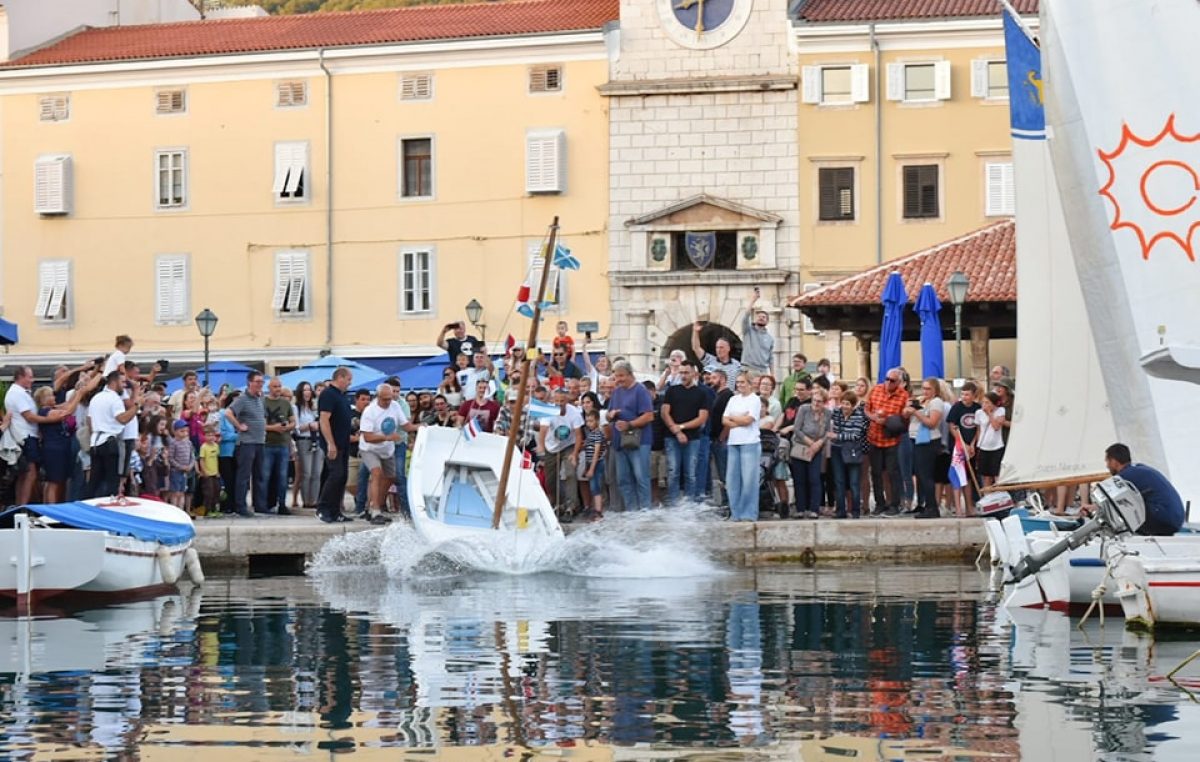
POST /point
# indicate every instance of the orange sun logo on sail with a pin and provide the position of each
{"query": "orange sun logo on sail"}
(1154, 186)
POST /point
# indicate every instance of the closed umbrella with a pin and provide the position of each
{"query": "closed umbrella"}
(894, 298)
(933, 358)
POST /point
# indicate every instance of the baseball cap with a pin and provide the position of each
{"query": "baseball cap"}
(180, 424)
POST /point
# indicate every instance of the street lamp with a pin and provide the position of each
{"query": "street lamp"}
(958, 286)
(474, 313)
(206, 322)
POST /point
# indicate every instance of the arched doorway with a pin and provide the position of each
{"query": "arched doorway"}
(682, 339)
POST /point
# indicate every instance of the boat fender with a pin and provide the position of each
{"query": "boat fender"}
(164, 565)
(191, 562)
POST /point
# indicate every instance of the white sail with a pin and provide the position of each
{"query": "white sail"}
(1121, 106)
(1061, 421)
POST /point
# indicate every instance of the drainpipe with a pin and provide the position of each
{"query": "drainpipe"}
(878, 148)
(329, 200)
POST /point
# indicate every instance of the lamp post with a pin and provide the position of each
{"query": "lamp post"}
(474, 313)
(958, 286)
(206, 322)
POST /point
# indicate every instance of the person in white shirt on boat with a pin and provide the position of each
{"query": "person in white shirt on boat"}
(108, 414)
(560, 438)
(379, 429)
(18, 401)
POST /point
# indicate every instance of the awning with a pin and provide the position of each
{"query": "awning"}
(8, 332)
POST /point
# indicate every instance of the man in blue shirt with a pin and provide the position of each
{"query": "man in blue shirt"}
(1164, 507)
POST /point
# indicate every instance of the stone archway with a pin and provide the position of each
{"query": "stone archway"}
(682, 339)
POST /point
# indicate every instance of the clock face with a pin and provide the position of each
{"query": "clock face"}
(703, 24)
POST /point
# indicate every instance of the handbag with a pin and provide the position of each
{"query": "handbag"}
(800, 450)
(631, 438)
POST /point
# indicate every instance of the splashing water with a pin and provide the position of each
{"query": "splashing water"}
(648, 544)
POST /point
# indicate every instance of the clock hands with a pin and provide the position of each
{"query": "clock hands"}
(684, 5)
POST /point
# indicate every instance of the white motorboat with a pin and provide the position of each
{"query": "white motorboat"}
(453, 484)
(106, 549)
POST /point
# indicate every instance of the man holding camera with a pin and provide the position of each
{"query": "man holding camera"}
(460, 342)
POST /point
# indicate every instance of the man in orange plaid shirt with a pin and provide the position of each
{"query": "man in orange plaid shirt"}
(886, 400)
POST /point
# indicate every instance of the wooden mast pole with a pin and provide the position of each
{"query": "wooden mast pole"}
(530, 347)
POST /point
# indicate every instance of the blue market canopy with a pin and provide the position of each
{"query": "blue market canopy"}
(8, 332)
(220, 373)
(321, 369)
(87, 516)
(426, 375)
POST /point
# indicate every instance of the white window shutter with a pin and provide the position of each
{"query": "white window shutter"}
(811, 78)
(282, 166)
(1001, 196)
(58, 295)
(941, 80)
(52, 185)
(283, 278)
(895, 82)
(297, 157)
(171, 289)
(416, 87)
(54, 108)
(860, 83)
(163, 290)
(979, 78)
(45, 289)
(299, 275)
(545, 160)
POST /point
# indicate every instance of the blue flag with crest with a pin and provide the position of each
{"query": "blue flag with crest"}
(1025, 103)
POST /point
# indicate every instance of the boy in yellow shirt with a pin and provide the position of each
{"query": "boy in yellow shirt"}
(210, 479)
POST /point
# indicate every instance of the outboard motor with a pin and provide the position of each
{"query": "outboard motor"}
(1119, 510)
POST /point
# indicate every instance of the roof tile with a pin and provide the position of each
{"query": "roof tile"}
(817, 11)
(988, 257)
(320, 30)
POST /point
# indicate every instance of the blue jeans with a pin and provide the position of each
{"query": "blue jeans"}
(596, 483)
(273, 473)
(633, 476)
(905, 457)
(360, 493)
(806, 481)
(687, 453)
(719, 455)
(846, 476)
(401, 475)
(249, 478)
(703, 451)
(741, 480)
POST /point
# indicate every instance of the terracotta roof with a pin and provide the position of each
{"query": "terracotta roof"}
(318, 30)
(988, 257)
(818, 11)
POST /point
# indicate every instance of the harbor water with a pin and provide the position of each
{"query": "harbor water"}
(618, 650)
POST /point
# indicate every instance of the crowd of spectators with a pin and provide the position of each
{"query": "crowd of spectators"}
(709, 428)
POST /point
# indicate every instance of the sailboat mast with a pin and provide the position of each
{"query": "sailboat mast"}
(530, 347)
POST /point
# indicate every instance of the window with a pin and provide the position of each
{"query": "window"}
(922, 82)
(836, 85)
(170, 101)
(836, 193)
(1000, 193)
(52, 185)
(291, 284)
(416, 87)
(921, 191)
(416, 281)
(54, 108)
(545, 79)
(170, 168)
(545, 161)
(291, 93)
(54, 285)
(724, 258)
(416, 167)
(291, 172)
(171, 290)
(989, 79)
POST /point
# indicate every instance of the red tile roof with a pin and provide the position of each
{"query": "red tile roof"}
(988, 257)
(816, 11)
(318, 30)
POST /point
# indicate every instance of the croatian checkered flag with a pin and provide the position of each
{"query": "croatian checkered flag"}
(958, 465)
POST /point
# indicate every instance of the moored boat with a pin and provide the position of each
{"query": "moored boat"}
(106, 549)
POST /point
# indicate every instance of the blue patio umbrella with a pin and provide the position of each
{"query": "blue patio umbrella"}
(219, 373)
(933, 359)
(322, 368)
(426, 375)
(894, 298)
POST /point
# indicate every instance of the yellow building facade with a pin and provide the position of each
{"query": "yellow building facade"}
(348, 195)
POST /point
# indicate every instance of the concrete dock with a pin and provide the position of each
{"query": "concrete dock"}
(285, 543)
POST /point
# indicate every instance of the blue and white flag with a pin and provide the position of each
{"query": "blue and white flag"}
(471, 429)
(540, 410)
(1027, 111)
(564, 259)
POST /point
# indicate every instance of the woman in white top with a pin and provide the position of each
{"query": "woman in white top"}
(989, 422)
(924, 429)
(744, 450)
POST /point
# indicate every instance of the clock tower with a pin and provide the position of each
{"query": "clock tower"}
(703, 154)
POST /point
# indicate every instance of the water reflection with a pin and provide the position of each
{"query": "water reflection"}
(871, 663)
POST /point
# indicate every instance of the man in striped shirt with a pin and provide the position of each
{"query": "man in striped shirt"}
(886, 400)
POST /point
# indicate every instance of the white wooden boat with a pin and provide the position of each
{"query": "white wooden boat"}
(1157, 592)
(99, 550)
(453, 483)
